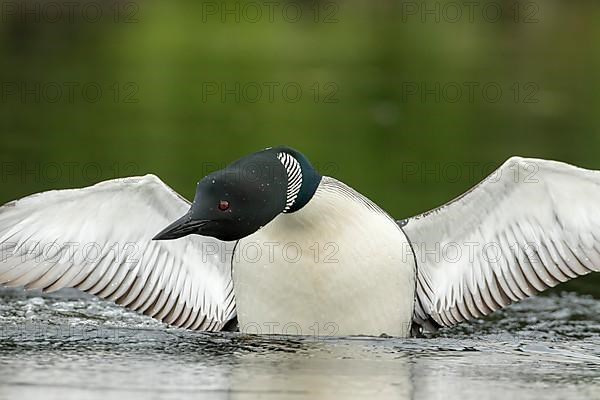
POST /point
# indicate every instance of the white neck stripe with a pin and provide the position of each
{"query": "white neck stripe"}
(294, 175)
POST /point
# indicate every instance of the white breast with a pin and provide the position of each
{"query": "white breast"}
(338, 266)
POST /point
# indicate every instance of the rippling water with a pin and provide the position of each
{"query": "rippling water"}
(67, 345)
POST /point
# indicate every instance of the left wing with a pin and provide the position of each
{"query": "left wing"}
(99, 239)
(529, 226)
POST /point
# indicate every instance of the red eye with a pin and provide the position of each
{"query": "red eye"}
(223, 205)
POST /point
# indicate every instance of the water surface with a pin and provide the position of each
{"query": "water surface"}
(68, 345)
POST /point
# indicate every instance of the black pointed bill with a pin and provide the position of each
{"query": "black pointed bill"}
(182, 227)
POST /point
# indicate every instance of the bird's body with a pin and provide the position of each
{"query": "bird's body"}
(271, 246)
(325, 270)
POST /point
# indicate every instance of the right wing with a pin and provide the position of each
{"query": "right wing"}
(526, 228)
(99, 239)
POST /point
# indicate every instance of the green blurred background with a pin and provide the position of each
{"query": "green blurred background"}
(409, 102)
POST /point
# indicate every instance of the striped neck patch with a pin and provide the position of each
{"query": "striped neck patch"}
(294, 176)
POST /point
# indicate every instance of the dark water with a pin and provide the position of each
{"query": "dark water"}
(379, 108)
(69, 346)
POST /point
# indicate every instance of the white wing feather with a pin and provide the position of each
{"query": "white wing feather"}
(99, 239)
(527, 227)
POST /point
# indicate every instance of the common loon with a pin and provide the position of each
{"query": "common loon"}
(270, 246)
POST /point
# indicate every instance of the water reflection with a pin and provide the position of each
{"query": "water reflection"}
(325, 370)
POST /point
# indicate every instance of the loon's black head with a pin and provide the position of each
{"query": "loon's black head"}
(238, 200)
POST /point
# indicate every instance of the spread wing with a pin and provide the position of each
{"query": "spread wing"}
(529, 226)
(99, 239)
